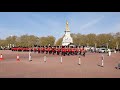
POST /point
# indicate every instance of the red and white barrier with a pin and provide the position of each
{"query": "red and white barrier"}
(44, 58)
(18, 59)
(30, 57)
(1, 57)
(79, 62)
(102, 63)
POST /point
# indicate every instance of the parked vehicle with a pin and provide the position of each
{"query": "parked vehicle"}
(102, 50)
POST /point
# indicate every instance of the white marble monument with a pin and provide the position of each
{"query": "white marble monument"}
(67, 39)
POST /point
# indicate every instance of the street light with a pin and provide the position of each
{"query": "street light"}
(116, 45)
(87, 44)
(108, 43)
(95, 45)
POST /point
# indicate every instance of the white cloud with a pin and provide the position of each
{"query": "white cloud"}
(91, 23)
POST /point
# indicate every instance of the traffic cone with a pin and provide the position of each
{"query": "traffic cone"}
(1, 57)
(18, 59)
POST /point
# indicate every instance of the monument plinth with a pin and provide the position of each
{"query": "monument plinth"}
(67, 39)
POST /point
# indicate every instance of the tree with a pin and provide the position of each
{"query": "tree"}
(27, 40)
(110, 39)
(59, 42)
(3, 43)
(117, 38)
(32, 40)
(51, 40)
(45, 41)
(91, 39)
(11, 40)
(79, 39)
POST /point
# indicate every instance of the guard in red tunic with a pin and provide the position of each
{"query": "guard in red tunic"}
(46, 50)
(57, 50)
(50, 50)
(53, 50)
(70, 50)
(77, 50)
(73, 50)
(65, 51)
(84, 51)
(35, 49)
(42, 49)
(38, 49)
(62, 51)
(80, 50)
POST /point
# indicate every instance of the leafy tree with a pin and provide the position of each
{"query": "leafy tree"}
(59, 42)
(45, 41)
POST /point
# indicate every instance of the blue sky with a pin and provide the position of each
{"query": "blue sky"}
(53, 23)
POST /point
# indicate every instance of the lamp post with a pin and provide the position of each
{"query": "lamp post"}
(117, 45)
(108, 43)
(10, 45)
(87, 44)
(95, 45)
